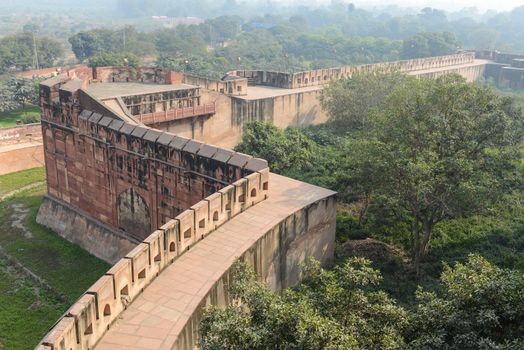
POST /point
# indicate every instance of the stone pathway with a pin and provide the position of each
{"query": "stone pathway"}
(156, 317)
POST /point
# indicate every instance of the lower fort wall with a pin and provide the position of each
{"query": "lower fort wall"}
(83, 325)
(102, 241)
(17, 157)
(276, 257)
(21, 148)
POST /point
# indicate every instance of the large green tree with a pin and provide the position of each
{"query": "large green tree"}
(17, 93)
(283, 149)
(348, 102)
(115, 59)
(430, 44)
(441, 148)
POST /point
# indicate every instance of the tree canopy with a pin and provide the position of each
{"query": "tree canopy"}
(480, 306)
(315, 316)
(17, 52)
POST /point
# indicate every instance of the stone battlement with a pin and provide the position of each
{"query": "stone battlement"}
(86, 321)
(324, 76)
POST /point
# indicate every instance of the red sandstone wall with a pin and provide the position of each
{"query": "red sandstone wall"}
(21, 158)
(118, 173)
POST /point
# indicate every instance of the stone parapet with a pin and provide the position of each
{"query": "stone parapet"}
(90, 317)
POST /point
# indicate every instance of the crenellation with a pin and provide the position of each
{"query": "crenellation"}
(84, 314)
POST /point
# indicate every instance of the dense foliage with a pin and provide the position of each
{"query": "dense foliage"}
(16, 93)
(17, 52)
(331, 310)
(480, 307)
(424, 151)
(115, 59)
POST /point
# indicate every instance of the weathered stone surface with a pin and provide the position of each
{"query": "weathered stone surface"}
(93, 236)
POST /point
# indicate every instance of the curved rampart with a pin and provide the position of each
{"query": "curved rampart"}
(89, 318)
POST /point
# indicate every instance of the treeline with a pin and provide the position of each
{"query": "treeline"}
(227, 43)
(20, 52)
(491, 30)
(477, 306)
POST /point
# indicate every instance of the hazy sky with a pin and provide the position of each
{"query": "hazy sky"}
(500, 5)
(450, 4)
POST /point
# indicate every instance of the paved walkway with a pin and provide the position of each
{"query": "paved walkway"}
(157, 316)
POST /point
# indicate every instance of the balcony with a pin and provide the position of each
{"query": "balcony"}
(175, 114)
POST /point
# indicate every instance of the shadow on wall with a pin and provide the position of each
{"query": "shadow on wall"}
(133, 214)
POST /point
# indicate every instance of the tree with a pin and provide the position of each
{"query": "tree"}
(430, 44)
(206, 65)
(23, 91)
(282, 149)
(94, 42)
(16, 93)
(331, 310)
(481, 306)
(441, 149)
(115, 59)
(348, 102)
(17, 52)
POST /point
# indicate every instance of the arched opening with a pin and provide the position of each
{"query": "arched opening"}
(89, 330)
(253, 192)
(124, 291)
(107, 310)
(172, 247)
(142, 274)
(215, 216)
(202, 223)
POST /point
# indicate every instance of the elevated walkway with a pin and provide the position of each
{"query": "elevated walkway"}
(270, 234)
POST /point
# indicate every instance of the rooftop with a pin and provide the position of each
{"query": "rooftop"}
(109, 90)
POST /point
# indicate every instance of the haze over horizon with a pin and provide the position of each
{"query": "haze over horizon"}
(450, 5)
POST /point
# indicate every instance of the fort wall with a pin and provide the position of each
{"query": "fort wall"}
(20, 133)
(88, 319)
(275, 248)
(129, 177)
(323, 76)
(22, 156)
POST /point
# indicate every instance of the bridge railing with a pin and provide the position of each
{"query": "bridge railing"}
(84, 324)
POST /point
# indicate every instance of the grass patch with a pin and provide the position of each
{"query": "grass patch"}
(10, 118)
(14, 181)
(26, 311)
